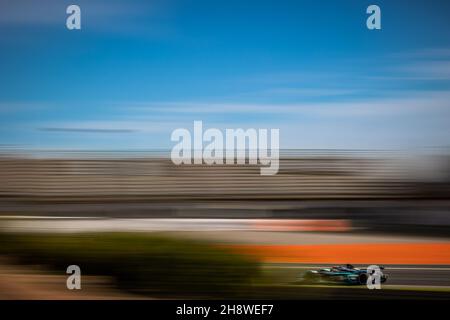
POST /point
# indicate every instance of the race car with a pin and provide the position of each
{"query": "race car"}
(347, 274)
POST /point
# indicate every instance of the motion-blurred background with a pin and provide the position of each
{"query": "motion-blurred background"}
(111, 211)
(344, 189)
(86, 118)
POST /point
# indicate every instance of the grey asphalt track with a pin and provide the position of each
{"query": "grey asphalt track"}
(398, 275)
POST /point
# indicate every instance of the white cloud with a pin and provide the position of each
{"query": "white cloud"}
(120, 17)
(412, 103)
(427, 70)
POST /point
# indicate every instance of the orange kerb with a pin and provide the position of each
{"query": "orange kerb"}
(382, 253)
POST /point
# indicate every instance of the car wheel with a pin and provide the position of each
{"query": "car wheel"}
(362, 279)
(310, 278)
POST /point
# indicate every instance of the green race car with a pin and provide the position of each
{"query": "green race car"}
(347, 274)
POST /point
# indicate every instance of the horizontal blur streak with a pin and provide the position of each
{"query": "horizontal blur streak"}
(359, 253)
(302, 175)
(73, 224)
(368, 188)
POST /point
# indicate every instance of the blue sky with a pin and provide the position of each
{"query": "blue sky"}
(140, 69)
